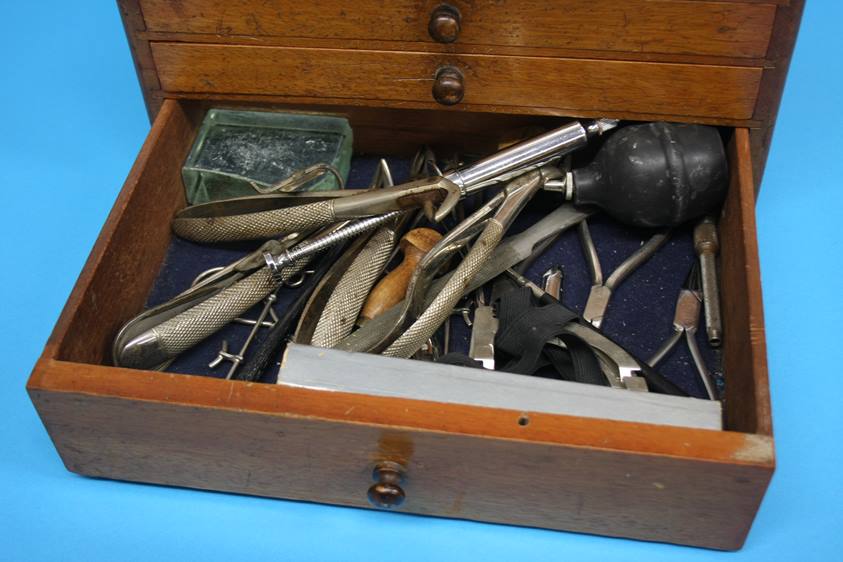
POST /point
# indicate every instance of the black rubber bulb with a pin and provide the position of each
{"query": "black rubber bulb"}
(656, 174)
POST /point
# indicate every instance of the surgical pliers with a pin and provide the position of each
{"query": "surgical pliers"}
(685, 323)
(601, 291)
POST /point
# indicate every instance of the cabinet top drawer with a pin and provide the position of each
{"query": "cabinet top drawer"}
(719, 28)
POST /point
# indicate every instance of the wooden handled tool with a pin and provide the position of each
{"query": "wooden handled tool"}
(390, 290)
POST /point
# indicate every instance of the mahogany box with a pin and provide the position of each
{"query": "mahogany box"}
(464, 74)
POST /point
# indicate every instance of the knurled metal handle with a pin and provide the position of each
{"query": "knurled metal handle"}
(343, 306)
(440, 309)
(254, 226)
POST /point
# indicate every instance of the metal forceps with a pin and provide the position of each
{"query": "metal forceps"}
(685, 322)
(601, 292)
(265, 216)
(494, 218)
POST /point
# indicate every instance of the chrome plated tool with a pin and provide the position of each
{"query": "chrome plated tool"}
(529, 154)
(269, 216)
(437, 196)
(685, 323)
(237, 358)
(463, 312)
(266, 319)
(513, 250)
(431, 264)
(156, 336)
(140, 344)
(707, 245)
(277, 262)
(339, 315)
(273, 343)
(601, 291)
(552, 282)
(483, 330)
(517, 193)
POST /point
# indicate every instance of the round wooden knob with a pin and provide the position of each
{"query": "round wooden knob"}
(386, 492)
(444, 24)
(448, 87)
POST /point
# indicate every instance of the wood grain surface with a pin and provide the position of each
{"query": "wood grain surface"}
(651, 482)
(561, 84)
(127, 256)
(390, 290)
(757, 34)
(785, 29)
(747, 405)
(520, 481)
(648, 26)
(712, 61)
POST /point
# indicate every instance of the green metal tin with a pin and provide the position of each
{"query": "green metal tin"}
(235, 151)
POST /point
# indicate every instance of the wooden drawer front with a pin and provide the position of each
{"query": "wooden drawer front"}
(513, 481)
(638, 26)
(575, 86)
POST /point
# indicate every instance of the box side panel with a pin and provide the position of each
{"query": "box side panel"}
(785, 30)
(129, 250)
(642, 496)
(747, 405)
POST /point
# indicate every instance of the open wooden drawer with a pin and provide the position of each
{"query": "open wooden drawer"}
(660, 483)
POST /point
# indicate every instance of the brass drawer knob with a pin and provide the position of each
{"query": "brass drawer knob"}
(444, 24)
(387, 492)
(448, 86)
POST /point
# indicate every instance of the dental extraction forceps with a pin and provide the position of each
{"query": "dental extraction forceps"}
(685, 323)
(256, 217)
(494, 219)
(601, 291)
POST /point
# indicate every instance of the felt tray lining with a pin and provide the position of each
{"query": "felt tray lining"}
(639, 317)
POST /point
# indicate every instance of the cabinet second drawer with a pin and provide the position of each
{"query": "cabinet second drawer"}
(573, 86)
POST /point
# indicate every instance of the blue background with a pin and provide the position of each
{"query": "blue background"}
(73, 121)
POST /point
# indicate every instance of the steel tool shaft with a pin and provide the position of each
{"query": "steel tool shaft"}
(531, 153)
(310, 247)
(707, 245)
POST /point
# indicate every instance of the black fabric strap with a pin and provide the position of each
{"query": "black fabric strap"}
(460, 359)
(524, 330)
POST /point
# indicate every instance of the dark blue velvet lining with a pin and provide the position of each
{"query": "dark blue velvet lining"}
(640, 315)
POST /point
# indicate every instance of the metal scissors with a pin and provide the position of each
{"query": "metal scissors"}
(601, 291)
(685, 323)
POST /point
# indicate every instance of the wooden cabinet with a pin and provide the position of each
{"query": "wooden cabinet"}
(523, 63)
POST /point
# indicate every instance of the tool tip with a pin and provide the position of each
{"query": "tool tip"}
(600, 126)
(715, 338)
